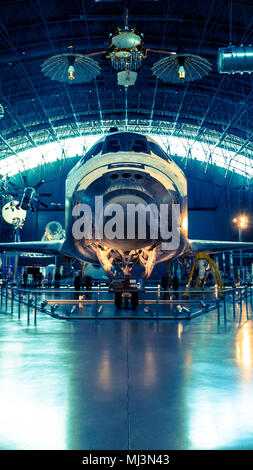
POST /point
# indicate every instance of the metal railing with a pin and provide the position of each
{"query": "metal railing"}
(152, 304)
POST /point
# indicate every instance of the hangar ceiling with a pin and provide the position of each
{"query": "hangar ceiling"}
(215, 110)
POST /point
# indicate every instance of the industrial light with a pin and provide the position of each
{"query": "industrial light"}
(241, 221)
(177, 67)
(235, 59)
(71, 73)
(181, 72)
(71, 66)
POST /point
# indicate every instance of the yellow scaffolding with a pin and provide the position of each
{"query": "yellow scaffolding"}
(213, 268)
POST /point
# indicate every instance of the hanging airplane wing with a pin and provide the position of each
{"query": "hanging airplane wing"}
(53, 247)
(210, 246)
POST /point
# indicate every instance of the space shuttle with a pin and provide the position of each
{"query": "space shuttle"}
(120, 200)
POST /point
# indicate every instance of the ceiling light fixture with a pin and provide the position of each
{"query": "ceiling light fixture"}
(71, 67)
(181, 67)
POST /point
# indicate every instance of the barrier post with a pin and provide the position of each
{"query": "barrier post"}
(35, 308)
(12, 299)
(246, 300)
(96, 305)
(2, 290)
(28, 307)
(218, 306)
(240, 302)
(6, 298)
(233, 303)
(19, 303)
(158, 294)
(225, 307)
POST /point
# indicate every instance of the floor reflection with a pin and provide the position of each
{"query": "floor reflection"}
(120, 384)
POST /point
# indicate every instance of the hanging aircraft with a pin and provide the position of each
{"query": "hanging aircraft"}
(125, 176)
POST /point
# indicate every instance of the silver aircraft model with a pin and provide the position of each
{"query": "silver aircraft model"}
(124, 169)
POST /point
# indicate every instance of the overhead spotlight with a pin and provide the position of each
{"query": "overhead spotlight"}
(176, 68)
(71, 67)
(181, 72)
(71, 73)
(181, 69)
(100, 309)
(179, 308)
(235, 59)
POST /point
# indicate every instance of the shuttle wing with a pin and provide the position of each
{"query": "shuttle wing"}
(53, 247)
(210, 246)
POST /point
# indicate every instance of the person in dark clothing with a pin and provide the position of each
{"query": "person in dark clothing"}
(77, 285)
(88, 282)
(77, 282)
(49, 279)
(40, 279)
(175, 285)
(164, 282)
(34, 279)
(57, 278)
(25, 277)
(88, 285)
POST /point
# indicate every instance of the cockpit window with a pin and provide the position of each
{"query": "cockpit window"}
(157, 150)
(140, 145)
(125, 143)
(112, 145)
(95, 150)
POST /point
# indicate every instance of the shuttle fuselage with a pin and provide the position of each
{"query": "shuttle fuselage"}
(125, 171)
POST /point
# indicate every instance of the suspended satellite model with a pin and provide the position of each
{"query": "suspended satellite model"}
(126, 52)
(14, 215)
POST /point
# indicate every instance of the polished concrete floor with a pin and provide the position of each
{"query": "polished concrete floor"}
(126, 384)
